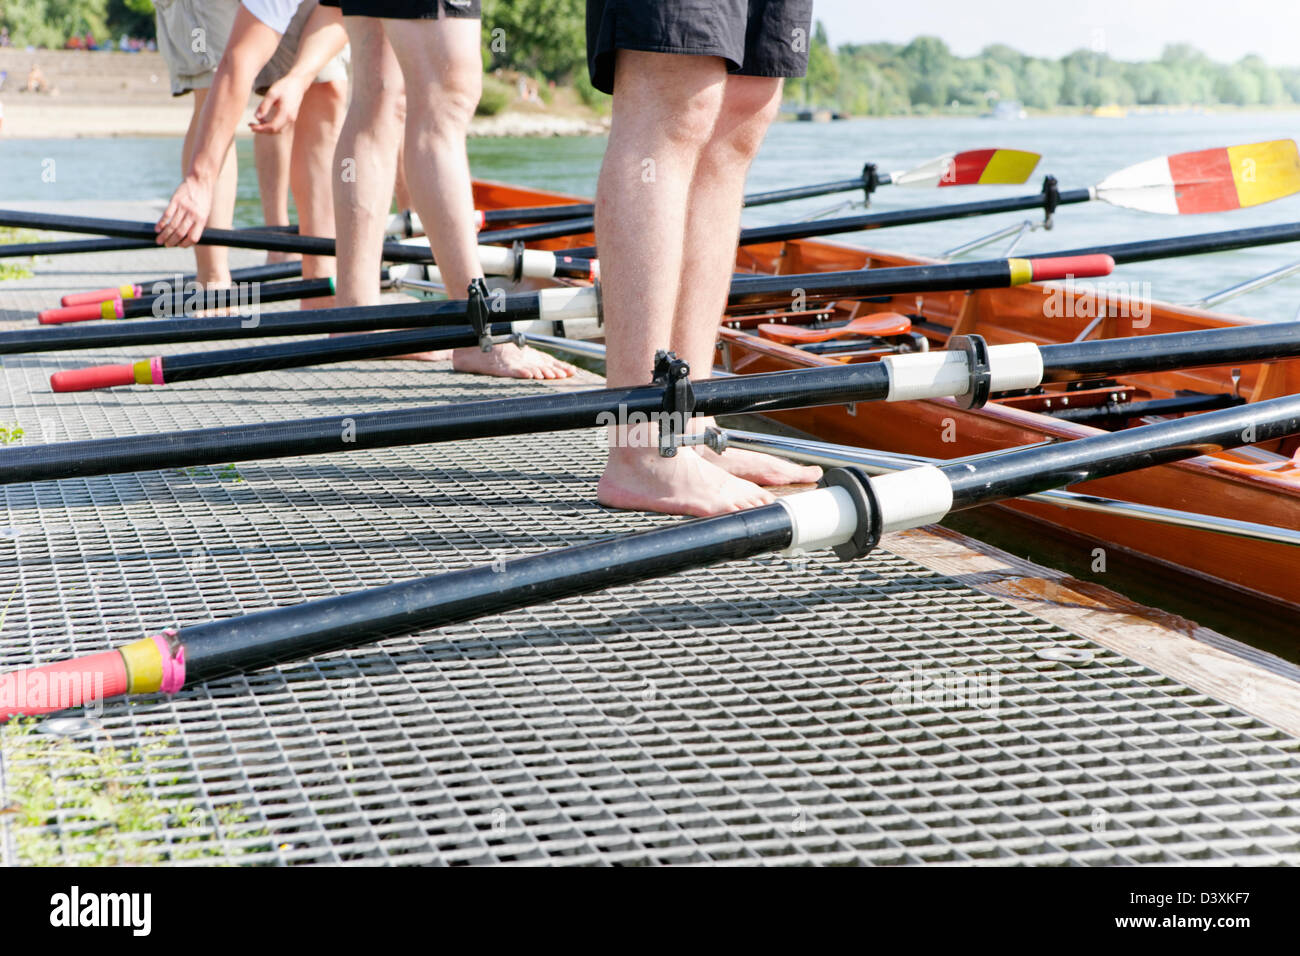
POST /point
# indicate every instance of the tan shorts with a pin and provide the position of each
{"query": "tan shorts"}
(192, 36)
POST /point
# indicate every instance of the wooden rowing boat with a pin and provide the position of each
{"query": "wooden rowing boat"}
(1260, 483)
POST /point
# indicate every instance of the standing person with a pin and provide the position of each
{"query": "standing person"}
(191, 38)
(695, 87)
(417, 66)
(289, 49)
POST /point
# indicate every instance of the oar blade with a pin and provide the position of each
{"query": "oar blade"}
(1208, 180)
(976, 167)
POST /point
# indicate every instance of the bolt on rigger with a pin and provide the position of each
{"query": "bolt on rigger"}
(630, 430)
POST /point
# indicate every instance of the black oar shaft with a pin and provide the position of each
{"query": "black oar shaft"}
(849, 515)
(65, 247)
(1029, 471)
(1145, 250)
(751, 393)
(903, 217)
(748, 292)
(817, 227)
(808, 192)
(307, 245)
(420, 314)
(236, 645)
(182, 303)
(526, 215)
(1170, 351)
(386, 429)
(349, 348)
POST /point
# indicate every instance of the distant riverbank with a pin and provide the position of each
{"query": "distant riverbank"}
(103, 94)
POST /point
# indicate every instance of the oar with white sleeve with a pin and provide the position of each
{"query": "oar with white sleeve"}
(561, 265)
(969, 370)
(848, 515)
(483, 308)
(972, 167)
(1211, 180)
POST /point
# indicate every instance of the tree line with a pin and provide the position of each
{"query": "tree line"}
(546, 38)
(886, 79)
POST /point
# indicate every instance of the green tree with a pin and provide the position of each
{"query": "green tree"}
(49, 23)
(821, 83)
(929, 65)
(546, 37)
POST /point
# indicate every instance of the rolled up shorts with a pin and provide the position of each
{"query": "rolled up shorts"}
(192, 36)
(281, 61)
(755, 37)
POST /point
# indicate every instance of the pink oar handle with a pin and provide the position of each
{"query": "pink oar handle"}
(43, 690)
(129, 291)
(86, 312)
(1081, 267)
(97, 376)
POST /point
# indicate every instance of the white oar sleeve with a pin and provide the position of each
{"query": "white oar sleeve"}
(919, 375)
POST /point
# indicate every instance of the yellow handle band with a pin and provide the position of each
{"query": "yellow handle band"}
(144, 666)
(1022, 271)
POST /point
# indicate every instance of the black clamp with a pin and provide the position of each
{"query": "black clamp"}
(1051, 199)
(977, 365)
(858, 484)
(674, 375)
(479, 313)
(517, 260)
(870, 181)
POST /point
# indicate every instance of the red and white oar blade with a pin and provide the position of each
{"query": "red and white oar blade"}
(976, 167)
(1208, 180)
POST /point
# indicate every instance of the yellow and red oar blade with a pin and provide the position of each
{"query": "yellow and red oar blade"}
(975, 167)
(1208, 180)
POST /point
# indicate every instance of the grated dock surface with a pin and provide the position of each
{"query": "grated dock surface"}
(760, 712)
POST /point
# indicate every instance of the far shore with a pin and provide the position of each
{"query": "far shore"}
(32, 116)
(103, 94)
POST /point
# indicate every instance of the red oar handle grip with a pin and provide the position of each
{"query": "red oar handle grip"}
(86, 312)
(128, 291)
(1081, 267)
(43, 690)
(97, 376)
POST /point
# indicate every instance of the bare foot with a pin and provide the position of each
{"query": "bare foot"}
(686, 484)
(510, 361)
(755, 466)
(274, 257)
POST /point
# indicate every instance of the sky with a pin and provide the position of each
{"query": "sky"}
(1126, 29)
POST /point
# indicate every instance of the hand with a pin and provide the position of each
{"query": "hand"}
(279, 107)
(182, 222)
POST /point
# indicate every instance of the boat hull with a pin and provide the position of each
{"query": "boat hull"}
(1256, 487)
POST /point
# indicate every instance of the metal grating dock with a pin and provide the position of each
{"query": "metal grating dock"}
(749, 714)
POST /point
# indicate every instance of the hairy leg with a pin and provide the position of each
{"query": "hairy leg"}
(749, 105)
(271, 152)
(365, 160)
(665, 110)
(442, 65)
(314, 138)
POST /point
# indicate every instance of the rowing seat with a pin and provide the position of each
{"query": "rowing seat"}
(878, 324)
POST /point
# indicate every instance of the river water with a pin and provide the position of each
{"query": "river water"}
(1079, 151)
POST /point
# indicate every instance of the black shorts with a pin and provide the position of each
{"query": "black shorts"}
(413, 9)
(755, 37)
